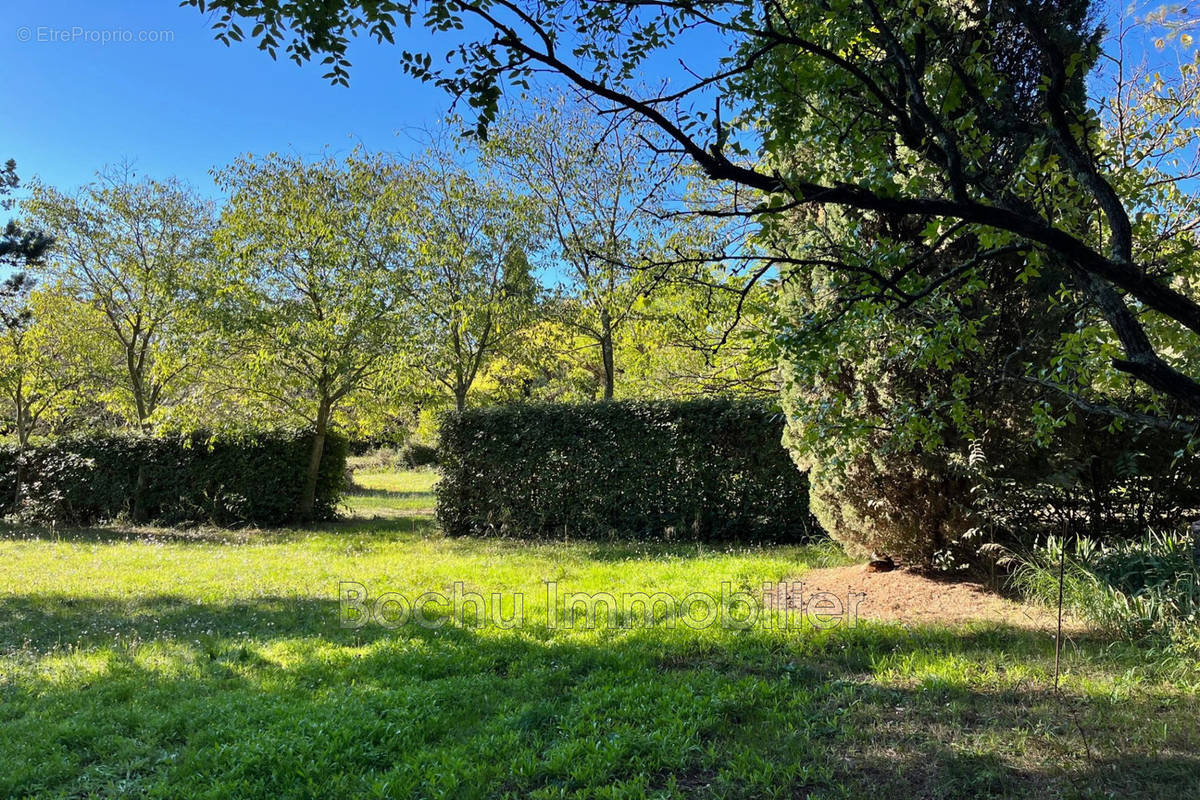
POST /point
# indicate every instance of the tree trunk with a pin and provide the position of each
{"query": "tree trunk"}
(138, 512)
(22, 442)
(308, 499)
(606, 353)
(138, 388)
(460, 397)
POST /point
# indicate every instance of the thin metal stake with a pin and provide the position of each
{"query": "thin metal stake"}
(1062, 563)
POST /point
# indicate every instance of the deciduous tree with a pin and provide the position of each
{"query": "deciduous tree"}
(136, 250)
(601, 191)
(969, 120)
(474, 290)
(321, 257)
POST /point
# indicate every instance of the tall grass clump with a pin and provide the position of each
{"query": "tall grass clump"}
(1133, 588)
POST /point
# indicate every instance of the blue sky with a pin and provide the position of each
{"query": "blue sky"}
(182, 106)
(186, 104)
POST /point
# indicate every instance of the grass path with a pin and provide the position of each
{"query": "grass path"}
(391, 494)
(165, 665)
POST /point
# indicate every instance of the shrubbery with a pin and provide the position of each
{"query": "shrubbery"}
(413, 455)
(709, 469)
(926, 428)
(233, 479)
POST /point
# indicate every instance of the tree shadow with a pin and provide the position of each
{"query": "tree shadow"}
(126, 532)
(388, 528)
(272, 697)
(390, 494)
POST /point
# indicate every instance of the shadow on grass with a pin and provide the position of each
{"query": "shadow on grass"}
(408, 524)
(412, 523)
(125, 532)
(386, 528)
(634, 550)
(271, 698)
(389, 494)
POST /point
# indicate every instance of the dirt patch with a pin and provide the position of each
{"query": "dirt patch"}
(907, 597)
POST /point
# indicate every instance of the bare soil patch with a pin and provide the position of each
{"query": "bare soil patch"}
(911, 598)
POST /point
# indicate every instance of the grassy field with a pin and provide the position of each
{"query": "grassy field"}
(138, 663)
(391, 494)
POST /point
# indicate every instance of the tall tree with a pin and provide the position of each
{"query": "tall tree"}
(474, 290)
(321, 255)
(45, 353)
(969, 120)
(602, 192)
(135, 249)
(19, 248)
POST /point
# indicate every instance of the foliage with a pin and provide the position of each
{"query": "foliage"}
(704, 332)
(965, 121)
(603, 201)
(320, 257)
(1132, 588)
(926, 437)
(418, 454)
(473, 290)
(47, 355)
(364, 293)
(935, 420)
(137, 251)
(704, 469)
(895, 407)
(253, 478)
(19, 248)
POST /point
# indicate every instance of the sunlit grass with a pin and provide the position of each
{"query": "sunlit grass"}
(385, 494)
(214, 666)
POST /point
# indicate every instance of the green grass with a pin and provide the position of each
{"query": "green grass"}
(386, 494)
(140, 663)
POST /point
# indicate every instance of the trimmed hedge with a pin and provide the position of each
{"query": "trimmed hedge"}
(254, 478)
(700, 470)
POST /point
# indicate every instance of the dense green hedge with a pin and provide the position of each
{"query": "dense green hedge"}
(252, 478)
(708, 469)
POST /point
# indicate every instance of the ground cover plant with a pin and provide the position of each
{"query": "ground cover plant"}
(145, 662)
(1149, 586)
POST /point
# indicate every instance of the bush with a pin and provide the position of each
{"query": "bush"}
(252, 478)
(710, 469)
(928, 428)
(413, 455)
(900, 505)
(384, 459)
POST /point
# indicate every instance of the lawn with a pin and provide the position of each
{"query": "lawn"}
(387, 494)
(199, 664)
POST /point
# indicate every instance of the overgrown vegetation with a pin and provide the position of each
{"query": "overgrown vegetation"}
(1150, 585)
(702, 469)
